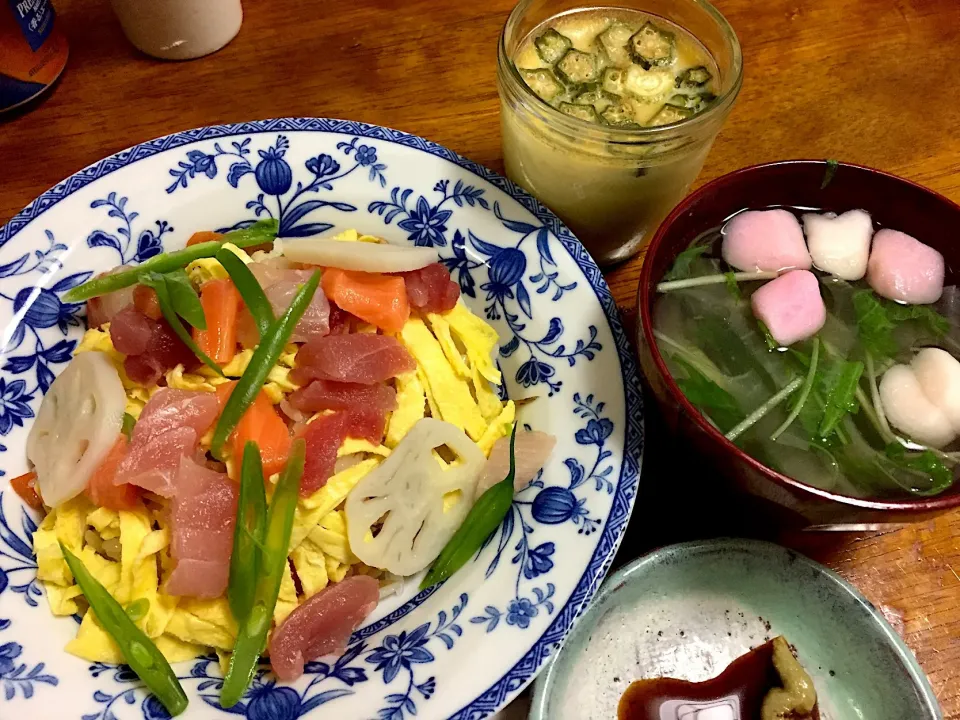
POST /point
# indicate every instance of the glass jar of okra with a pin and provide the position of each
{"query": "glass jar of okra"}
(608, 113)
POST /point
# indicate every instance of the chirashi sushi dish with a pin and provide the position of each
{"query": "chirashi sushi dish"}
(256, 441)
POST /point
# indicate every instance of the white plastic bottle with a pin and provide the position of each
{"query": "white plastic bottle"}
(179, 29)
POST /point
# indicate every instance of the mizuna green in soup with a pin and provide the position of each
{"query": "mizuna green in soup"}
(824, 346)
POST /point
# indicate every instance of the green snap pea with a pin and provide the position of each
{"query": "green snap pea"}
(484, 517)
(260, 232)
(138, 609)
(248, 533)
(144, 658)
(127, 424)
(249, 288)
(252, 630)
(263, 359)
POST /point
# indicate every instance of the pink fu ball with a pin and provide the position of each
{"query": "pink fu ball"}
(766, 241)
(904, 269)
(791, 307)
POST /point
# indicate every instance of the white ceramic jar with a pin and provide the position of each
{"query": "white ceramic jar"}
(179, 29)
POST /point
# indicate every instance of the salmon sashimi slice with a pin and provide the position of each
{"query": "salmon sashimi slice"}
(322, 625)
(381, 300)
(101, 489)
(145, 300)
(332, 395)
(202, 519)
(221, 305)
(263, 424)
(362, 358)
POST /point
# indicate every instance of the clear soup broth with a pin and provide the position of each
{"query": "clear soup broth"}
(839, 439)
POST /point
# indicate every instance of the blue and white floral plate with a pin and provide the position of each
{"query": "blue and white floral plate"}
(463, 650)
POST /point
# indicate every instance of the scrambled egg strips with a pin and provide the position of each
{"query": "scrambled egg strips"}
(129, 552)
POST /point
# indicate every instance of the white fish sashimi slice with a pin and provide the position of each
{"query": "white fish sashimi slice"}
(531, 452)
(404, 495)
(76, 427)
(365, 257)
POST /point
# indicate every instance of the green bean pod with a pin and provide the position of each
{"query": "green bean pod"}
(263, 359)
(248, 533)
(143, 657)
(260, 232)
(484, 517)
(249, 288)
(252, 630)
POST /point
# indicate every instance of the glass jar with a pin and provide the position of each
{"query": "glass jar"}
(611, 186)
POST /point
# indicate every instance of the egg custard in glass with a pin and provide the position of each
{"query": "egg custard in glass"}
(608, 113)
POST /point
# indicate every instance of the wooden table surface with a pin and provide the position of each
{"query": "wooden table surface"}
(866, 81)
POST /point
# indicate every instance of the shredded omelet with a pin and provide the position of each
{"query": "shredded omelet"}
(129, 551)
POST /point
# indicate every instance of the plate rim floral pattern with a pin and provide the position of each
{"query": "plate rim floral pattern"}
(626, 486)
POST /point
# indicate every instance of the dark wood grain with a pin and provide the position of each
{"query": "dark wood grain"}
(866, 81)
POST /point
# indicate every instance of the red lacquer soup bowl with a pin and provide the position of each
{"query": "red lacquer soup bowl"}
(892, 202)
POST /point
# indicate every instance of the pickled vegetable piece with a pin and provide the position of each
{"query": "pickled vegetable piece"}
(670, 114)
(619, 114)
(694, 102)
(578, 67)
(614, 41)
(543, 83)
(581, 112)
(597, 98)
(648, 85)
(613, 80)
(650, 46)
(693, 78)
(551, 46)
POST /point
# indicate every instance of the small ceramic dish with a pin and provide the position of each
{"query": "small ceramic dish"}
(688, 610)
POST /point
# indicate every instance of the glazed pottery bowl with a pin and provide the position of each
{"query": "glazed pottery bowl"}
(892, 202)
(687, 611)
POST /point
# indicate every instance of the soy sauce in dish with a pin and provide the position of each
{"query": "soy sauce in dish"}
(743, 691)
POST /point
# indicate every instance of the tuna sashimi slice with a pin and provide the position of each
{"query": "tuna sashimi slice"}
(332, 395)
(202, 519)
(430, 289)
(322, 625)
(153, 464)
(326, 434)
(531, 452)
(163, 349)
(170, 408)
(358, 358)
(198, 578)
(130, 331)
